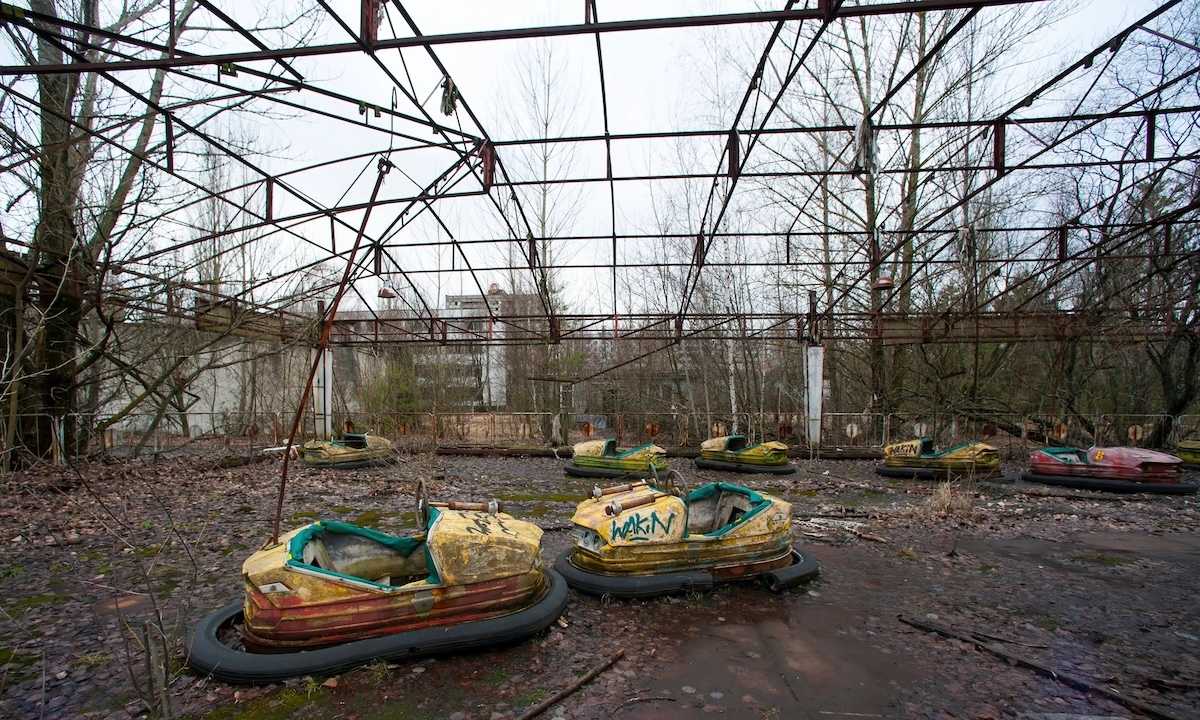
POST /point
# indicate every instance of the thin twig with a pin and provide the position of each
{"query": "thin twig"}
(1010, 641)
(643, 698)
(865, 536)
(558, 696)
(1069, 680)
(42, 712)
(833, 516)
(110, 587)
(1171, 684)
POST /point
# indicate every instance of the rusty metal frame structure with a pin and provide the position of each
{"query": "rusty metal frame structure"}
(795, 33)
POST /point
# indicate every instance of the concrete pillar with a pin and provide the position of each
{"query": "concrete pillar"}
(323, 395)
(815, 381)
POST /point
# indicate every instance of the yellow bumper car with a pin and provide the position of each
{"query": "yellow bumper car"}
(919, 459)
(732, 453)
(637, 540)
(603, 459)
(349, 452)
(332, 595)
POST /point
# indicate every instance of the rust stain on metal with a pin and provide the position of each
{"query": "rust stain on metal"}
(331, 582)
(730, 530)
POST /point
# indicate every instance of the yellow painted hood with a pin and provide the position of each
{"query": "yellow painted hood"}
(469, 546)
(663, 520)
(465, 546)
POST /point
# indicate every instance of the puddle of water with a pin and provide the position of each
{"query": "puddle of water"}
(787, 653)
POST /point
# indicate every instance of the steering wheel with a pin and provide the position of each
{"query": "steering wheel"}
(671, 482)
(422, 506)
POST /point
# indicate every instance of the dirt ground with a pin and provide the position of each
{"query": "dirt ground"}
(1101, 588)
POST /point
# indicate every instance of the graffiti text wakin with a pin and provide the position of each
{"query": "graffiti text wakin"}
(639, 528)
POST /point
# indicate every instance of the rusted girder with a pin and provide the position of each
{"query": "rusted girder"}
(322, 343)
(762, 16)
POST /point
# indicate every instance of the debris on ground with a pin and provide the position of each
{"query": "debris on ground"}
(1102, 591)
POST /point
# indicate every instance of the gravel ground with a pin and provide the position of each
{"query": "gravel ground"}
(1099, 587)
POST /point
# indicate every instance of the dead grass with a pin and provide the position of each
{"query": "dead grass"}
(951, 499)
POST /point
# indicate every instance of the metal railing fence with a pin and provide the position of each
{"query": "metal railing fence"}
(1014, 434)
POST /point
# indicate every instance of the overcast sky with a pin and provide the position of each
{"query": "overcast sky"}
(655, 81)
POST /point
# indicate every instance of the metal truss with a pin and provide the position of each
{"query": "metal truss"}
(475, 171)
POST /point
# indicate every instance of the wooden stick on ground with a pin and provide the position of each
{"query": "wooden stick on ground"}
(864, 536)
(557, 697)
(832, 516)
(640, 699)
(1010, 641)
(1039, 492)
(1069, 680)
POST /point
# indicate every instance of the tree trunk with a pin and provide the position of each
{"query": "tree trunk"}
(57, 287)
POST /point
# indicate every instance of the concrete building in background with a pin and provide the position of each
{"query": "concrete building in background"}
(476, 374)
(491, 373)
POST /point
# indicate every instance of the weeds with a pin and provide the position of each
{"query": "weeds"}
(951, 500)
(379, 672)
(311, 687)
(1099, 558)
(93, 660)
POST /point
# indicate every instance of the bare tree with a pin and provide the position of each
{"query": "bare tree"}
(93, 188)
(545, 107)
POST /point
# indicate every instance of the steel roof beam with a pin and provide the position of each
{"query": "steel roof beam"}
(26, 18)
(812, 129)
(541, 280)
(764, 16)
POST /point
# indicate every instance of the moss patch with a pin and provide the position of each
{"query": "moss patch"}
(19, 606)
(92, 660)
(400, 710)
(1099, 558)
(279, 706)
(538, 510)
(373, 518)
(303, 515)
(404, 520)
(573, 498)
(1045, 622)
(437, 701)
(17, 657)
(531, 697)
(148, 551)
(341, 509)
(17, 666)
(369, 519)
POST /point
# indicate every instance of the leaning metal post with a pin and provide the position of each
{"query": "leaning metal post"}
(322, 344)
